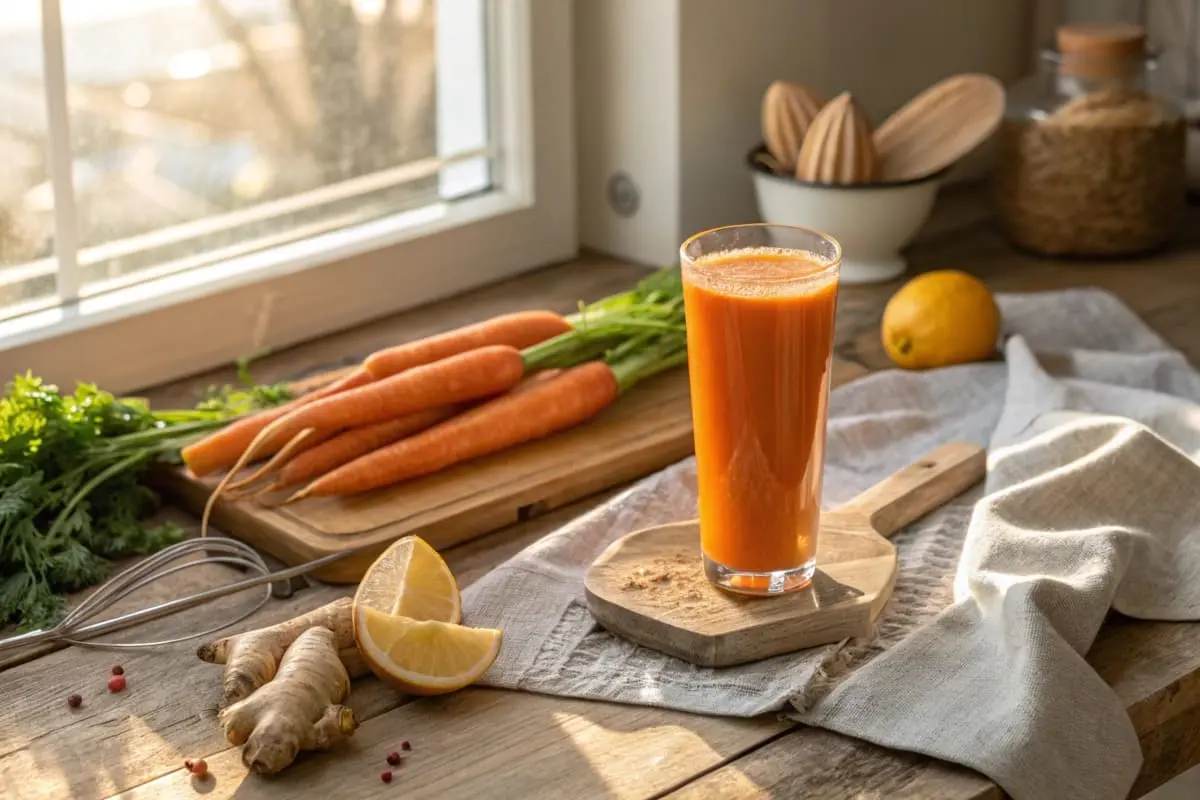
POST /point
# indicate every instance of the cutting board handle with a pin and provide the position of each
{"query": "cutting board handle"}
(919, 488)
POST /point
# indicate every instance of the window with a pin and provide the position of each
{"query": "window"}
(186, 181)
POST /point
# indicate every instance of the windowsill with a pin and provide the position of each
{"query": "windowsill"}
(183, 285)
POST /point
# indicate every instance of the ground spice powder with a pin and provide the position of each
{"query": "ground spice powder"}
(674, 579)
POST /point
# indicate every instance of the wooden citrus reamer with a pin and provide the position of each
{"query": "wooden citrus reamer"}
(687, 617)
(939, 126)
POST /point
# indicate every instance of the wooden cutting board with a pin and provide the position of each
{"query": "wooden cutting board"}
(645, 430)
(650, 588)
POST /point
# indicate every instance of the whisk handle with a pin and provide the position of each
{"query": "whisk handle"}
(23, 640)
(85, 632)
(34, 638)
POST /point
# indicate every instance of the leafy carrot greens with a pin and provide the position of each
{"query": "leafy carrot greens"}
(70, 491)
(622, 324)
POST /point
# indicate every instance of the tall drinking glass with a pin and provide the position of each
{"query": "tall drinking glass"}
(760, 303)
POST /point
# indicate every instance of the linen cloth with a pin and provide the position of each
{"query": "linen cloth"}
(1092, 425)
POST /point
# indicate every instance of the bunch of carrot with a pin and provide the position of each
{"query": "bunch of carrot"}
(425, 405)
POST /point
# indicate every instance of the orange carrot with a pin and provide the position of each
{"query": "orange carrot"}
(520, 330)
(351, 444)
(538, 377)
(221, 449)
(473, 375)
(540, 409)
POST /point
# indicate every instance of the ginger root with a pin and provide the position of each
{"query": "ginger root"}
(251, 658)
(300, 709)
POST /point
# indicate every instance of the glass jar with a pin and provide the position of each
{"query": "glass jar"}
(1091, 152)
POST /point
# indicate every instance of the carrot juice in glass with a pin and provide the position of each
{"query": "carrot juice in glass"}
(760, 303)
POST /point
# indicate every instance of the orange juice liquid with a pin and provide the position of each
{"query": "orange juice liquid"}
(760, 348)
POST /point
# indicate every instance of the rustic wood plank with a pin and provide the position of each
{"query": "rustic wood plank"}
(494, 744)
(36, 749)
(778, 769)
(1154, 668)
(1168, 750)
(165, 714)
(835, 765)
(824, 766)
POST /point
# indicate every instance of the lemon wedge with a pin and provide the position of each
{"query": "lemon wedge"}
(410, 579)
(424, 657)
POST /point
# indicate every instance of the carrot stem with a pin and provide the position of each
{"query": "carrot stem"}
(594, 338)
(566, 350)
(630, 368)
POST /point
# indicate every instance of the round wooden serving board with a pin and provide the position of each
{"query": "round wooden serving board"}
(649, 586)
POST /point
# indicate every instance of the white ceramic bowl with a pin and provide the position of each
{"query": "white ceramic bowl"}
(871, 221)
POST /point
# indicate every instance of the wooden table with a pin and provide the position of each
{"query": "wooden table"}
(482, 743)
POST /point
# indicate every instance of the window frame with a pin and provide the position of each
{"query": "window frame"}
(198, 319)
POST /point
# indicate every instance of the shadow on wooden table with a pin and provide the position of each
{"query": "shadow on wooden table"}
(496, 744)
(484, 743)
(493, 744)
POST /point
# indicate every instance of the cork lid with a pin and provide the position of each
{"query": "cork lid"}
(1101, 49)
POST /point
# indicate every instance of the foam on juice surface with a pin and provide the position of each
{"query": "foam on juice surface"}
(762, 272)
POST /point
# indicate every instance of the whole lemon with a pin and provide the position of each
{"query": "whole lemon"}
(940, 318)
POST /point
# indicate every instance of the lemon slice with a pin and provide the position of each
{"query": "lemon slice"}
(411, 580)
(424, 657)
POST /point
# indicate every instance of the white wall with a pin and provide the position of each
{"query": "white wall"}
(669, 91)
(1107, 10)
(627, 120)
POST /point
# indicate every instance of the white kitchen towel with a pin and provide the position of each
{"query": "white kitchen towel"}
(1093, 429)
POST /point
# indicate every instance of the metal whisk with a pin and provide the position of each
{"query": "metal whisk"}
(78, 628)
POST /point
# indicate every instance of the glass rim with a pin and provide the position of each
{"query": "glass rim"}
(832, 265)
